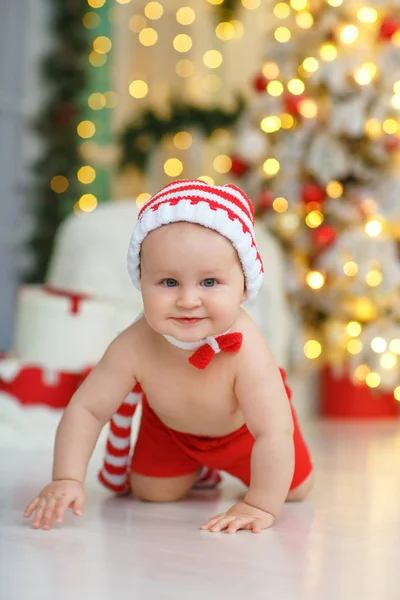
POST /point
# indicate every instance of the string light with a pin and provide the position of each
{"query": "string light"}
(334, 189)
(310, 64)
(270, 124)
(97, 101)
(367, 15)
(183, 140)
(312, 349)
(396, 393)
(137, 23)
(91, 20)
(373, 227)
(280, 205)
(225, 31)
(374, 278)
(388, 361)
(354, 347)
(86, 174)
(353, 328)
(185, 15)
(328, 52)
(59, 184)
(296, 87)
(335, 3)
(315, 280)
(173, 167)
(184, 68)
(102, 44)
(182, 42)
(275, 88)
(153, 10)
(282, 35)
(271, 166)
(299, 4)
(148, 36)
(282, 10)
(87, 202)
(390, 126)
(138, 88)
(86, 129)
(222, 163)
(305, 20)
(314, 219)
(96, 59)
(207, 179)
(349, 34)
(251, 4)
(378, 345)
(287, 121)
(373, 380)
(394, 346)
(362, 372)
(212, 59)
(142, 199)
(270, 70)
(96, 3)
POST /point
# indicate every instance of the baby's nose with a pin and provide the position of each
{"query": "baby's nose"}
(188, 298)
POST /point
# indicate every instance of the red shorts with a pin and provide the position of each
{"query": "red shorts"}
(164, 452)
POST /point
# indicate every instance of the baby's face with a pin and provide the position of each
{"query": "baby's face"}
(192, 281)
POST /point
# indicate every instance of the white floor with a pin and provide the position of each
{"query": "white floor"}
(342, 544)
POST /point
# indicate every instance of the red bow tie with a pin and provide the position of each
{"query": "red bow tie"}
(227, 342)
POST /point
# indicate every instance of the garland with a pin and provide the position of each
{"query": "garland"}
(140, 138)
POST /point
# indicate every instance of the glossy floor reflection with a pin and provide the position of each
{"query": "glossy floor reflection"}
(342, 544)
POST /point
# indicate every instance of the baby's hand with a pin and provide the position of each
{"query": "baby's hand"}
(54, 500)
(240, 516)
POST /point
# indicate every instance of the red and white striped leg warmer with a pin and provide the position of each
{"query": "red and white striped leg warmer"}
(114, 474)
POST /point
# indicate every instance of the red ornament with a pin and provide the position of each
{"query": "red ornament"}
(388, 28)
(265, 200)
(260, 83)
(292, 104)
(391, 143)
(312, 192)
(323, 236)
(239, 167)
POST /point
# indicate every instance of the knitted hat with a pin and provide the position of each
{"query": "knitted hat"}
(225, 209)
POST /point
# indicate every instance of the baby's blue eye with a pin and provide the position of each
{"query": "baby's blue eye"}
(169, 282)
(209, 282)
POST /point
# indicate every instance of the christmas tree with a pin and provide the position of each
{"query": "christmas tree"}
(319, 152)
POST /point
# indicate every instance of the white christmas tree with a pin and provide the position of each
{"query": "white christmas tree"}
(319, 151)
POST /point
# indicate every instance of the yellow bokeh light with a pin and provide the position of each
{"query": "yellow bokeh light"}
(334, 189)
(396, 393)
(354, 346)
(308, 109)
(299, 4)
(142, 199)
(270, 70)
(270, 124)
(310, 64)
(138, 88)
(215, 2)
(364, 309)
(87, 202)
(388, 360)
(390, 126)
(91, 20)
(148, 36)
(396, 101)
(362, 372)
(96, 3)
(374, 278)
(396, 87)
(350, 268)
(239, 28)
(86, 174)
(182, 42)
(184, 68)
(282, 34)
(281, 10)
(296, 87)
(275, 88)
(102, 44)
(225, 31)
(379, 345)
(373, 128)
(353, 328)
(335, 3)
(183, 140)
(312, 349)
(367, 15)
(97, 60)
(305, 20)
(251, 4)
(394, 346)
(373, 380)
(206, 179)
(315, 280)
(287, 121)
(153, 10)
(271, 166)
(314, 219)
(59, 184)
(280, 205)
(86, 129)
(97, 101)
(173, 167)
(328, 52)
(373, 227)
(366, 73)
(349, 34)
(212, 59)
(222, 163)
(185, 15)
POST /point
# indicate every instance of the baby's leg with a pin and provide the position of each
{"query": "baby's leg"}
(161, 489)
(301, 491)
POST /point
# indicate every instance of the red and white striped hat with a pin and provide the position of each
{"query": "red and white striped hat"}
(225, 209)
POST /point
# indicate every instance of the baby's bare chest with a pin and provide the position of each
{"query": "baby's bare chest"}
(201, 402)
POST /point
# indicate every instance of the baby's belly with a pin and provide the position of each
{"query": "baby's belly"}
(198, 416)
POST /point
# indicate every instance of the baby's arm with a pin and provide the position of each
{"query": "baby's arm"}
(263, 400)
(89, 409)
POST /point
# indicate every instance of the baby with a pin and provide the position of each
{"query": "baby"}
(212, 393)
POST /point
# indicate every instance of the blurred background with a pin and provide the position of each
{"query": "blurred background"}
(297, 102)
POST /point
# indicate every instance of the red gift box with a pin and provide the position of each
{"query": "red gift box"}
(343, 399)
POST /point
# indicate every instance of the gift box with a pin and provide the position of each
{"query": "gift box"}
(343, 399)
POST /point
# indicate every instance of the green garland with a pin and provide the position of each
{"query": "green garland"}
(140, 138)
